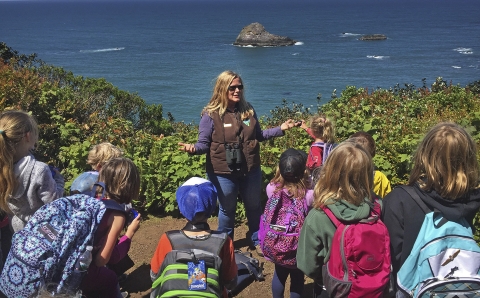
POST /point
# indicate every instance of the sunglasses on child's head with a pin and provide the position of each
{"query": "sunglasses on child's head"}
(233, 88)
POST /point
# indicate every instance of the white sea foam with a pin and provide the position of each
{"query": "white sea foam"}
(295, 54)
(454, 66)
(346, 34)
(377, 57)
(462, 49)
(299, 43)
(102, 50)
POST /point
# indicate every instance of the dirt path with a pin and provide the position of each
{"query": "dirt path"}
(145, 242)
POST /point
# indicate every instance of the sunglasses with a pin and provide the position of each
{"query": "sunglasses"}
(233, 88)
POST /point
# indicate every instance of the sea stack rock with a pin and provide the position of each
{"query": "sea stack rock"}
(373, 37)
(256, 35)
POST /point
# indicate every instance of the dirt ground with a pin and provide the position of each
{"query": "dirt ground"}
(145, 242)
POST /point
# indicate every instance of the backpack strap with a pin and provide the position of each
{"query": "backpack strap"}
(213, 244)
(327, 148)
(374, 208)
(331, 216)
(414, 195)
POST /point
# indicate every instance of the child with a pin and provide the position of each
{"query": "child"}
(344, 187)
(25, 183)
(197, 200)
(97, 156)
(381, 184)
(445, 175)
(322, 131)
(122, 181)
(290, 183)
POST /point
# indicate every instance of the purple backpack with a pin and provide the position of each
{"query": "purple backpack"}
(280, 226)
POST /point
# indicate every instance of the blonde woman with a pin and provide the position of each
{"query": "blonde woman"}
(445, 176)
(229, 133)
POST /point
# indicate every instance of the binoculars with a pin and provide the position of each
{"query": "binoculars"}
(233, 154)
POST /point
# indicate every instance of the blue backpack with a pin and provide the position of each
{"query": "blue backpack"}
(444, 261)
(47, 249)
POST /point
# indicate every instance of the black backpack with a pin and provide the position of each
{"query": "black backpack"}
(249, 270)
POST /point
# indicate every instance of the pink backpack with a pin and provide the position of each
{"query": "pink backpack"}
(280, 226)
(359, 264)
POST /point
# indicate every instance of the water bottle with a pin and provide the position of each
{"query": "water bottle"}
(80, 269)
(84, 261)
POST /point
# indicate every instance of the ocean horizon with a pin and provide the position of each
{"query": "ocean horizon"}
(170, 52)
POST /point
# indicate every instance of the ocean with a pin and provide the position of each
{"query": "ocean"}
(170, 52)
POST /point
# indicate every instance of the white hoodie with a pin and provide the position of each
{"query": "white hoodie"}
(36, 187)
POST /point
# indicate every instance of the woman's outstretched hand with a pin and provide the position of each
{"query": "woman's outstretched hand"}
(189, 148)
(289, 124)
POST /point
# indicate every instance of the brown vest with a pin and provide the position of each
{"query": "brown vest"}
(232, 130)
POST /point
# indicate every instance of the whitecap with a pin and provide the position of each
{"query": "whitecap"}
(454, 66)
(466, 52)
(102, 50)
(462, 49)
(345, 34)
(377, 57)
(295, 54)
(299, 43)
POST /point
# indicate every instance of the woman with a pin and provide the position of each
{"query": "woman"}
(229, 133)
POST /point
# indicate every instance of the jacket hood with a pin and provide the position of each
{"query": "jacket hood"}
(23, 170)
(346, 211)
(466, 206)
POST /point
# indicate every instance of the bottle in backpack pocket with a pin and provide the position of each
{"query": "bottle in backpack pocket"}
(81, 268)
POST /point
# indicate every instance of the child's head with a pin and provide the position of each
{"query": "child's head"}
(446, 161)
(322, 128)
(346, 174)
(19, 132)
(365, 140)
(122, 180)
(101, 153)
(18, 136)
(291, 173)
(197, 199)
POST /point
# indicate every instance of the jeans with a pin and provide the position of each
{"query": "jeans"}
(229, 186)
(297, 280)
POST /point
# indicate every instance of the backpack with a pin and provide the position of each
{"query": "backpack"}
(359, 263)
(47, 249)
(313, 159)
(181, 273)
(280, 226)
(445, 259)
(249, 270)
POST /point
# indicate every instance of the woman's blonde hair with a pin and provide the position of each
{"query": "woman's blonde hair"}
(296, 189)
(14, 125)
(322, 128)
(446, 161)
(219, 101)
(102, 153)
(346, 174)
(122, 180)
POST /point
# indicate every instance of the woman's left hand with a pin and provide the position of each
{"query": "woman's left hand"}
(289, 124)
